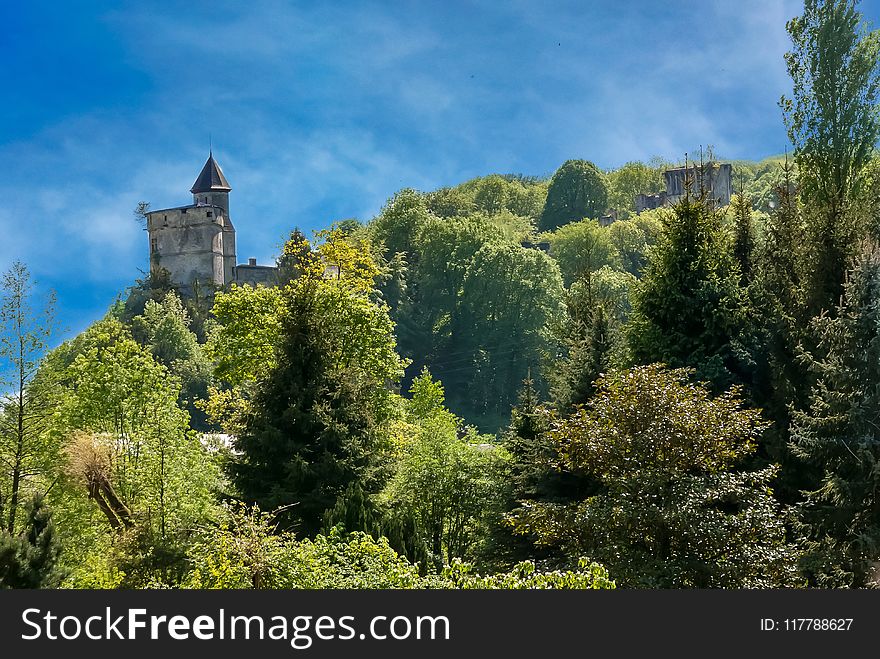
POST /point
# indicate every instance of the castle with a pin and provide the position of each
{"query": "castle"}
(716, 180)
(195, 243)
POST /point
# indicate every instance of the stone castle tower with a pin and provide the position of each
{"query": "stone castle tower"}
(196, 243)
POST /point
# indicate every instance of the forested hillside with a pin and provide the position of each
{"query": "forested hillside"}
(484, 387)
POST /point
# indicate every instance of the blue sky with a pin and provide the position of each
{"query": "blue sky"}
(321, 111)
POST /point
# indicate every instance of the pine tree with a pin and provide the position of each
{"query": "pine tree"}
(839, 433)
(30, 559)
(775, 322)
(589, 356)
(687, 307)
(743, 237)
(310, 434)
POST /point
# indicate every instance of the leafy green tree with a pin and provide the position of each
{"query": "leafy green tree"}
(446, 249)
(499, 329)
(448, 484)
(670, 510)
(631, 243)
(248, 331)
(578, 190)
(129, 447)
(30, 558)
(26, 448)
(632, 179)
(761, 192)
(839, 434)
(834, 125)
(400, 222)
(687, 307)
(165, 328)
(580, 248)
(492, 195)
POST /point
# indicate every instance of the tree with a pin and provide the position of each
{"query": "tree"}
(448, 484)
(687, 307)
(500, 327)
(578, 190)
(400, 221)
(493, 195)
(164, 328)
(670, 509)
(140, 213)
(774, 324)
(838, 434)
(632, 243)
(589, 356)
(129, 447)
(248, 331)
(26, 448)
(312, 429)
(632, 179)
(834, 125)
(580, 248)
(30, 558)
(743, 237)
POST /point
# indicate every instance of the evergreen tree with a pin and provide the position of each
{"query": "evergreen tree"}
(774, 327)
(743, 237)
(30, 559)
(309, 436)
(588, 358)
(687, 307)
(311, 433)
(839, 434)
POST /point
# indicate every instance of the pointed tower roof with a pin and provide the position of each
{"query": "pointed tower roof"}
(211, 178)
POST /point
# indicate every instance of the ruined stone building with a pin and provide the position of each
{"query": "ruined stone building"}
(713, 178)
(196, 243)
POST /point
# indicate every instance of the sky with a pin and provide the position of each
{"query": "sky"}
(322, 111)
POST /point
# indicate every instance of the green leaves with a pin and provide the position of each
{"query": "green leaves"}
(581, 248)
(833, 122)
(667, 509)
(578, 190)
(448, 484)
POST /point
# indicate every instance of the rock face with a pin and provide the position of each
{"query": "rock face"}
(196, 243)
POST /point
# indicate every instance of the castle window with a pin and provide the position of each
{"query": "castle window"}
(154, 245)
(210, 214)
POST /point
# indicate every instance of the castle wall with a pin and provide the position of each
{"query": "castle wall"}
(717, 180)
(256, 274)
(192, 243)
